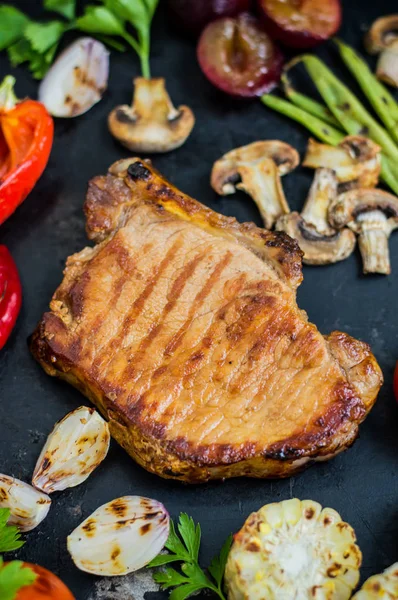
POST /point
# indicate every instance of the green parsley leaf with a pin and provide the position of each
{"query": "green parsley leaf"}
(191, 535)
(66, 8)
(13, 577)
(193, 578)
(174, 544)
(12, 25)
(109, 41)
(169, 578)
(10, 536)
(217, 565)
(43, 36)
(98, 19)
(20, 52)
(151, 6)
(184, 591)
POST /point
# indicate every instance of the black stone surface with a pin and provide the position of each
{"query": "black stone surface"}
(361, 483)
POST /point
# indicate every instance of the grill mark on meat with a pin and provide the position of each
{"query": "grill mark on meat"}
(136, 309)
(175, 293)
(196, 304)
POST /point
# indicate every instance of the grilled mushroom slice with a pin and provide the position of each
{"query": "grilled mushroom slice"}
(383, 38)
(151, 124)
(320, 243)
(373, 214)
(356, 161)
(256, 169)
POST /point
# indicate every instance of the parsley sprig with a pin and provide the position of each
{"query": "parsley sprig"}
(13, 575)
(185, 549)
(36, 43)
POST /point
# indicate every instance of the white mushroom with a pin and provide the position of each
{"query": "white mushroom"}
(356, 161)
(383, 38)
(28, 507)
(256, 169)
(373, 215)
(151, 124)
(320, 243)
(75, 447)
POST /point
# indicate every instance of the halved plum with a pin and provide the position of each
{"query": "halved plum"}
(301, 23)
(238, 56)
(191, 16)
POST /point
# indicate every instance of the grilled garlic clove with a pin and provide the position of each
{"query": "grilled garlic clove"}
(120, 537)
(77, 79)
(28, 506)
(293, 549)
(75, 447)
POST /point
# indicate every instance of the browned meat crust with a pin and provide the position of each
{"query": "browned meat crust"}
(182, 326)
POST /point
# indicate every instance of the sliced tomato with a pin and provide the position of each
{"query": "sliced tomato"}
(46, 587)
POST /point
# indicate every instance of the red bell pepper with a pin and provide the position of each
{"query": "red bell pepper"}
(10, 294)
(26, 136)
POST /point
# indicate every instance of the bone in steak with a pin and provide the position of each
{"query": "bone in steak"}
(182, 327)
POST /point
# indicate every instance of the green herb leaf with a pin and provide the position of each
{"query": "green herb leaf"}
(191, 535)
(151, 6)
(217, 565)
(135, 12)
(66, 8)
(184, 591)
(43, 36)
(193, 578)
(13, 577)
(174, 544)
(10, 536)
(98, 19)
(169, 578)
(12, 25)
(109, 41)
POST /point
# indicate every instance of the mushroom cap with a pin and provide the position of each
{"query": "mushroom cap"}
(356, 159)
(350, 205)
(319, 248)
(382, 34)
(151, 124)
(225, 172)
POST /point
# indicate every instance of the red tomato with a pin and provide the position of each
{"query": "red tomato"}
(46, 587)
(396, 382)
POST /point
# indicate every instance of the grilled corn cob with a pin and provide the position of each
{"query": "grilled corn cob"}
(293, 550)
(380, 587)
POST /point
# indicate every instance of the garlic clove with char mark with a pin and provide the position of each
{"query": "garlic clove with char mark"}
(77, 79)
(120, 537)
(75, 447)
(28, 507)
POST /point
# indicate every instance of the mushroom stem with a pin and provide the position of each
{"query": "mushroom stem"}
(264, 184)
(373, 242)
(322, 192)
(387, 66)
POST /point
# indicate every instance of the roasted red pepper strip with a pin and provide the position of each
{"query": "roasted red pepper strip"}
(10, 294)
(26, 136)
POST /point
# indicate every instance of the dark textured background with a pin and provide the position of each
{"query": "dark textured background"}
(361, 483)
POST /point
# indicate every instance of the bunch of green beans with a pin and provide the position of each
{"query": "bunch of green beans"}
(343, 110)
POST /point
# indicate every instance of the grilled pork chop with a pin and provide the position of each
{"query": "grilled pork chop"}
(181, 325)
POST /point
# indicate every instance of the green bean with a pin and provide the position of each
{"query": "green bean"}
(380, 98)
(325, 133)
(389, 173)
(347, 109)
(319, 128)
(311, 106)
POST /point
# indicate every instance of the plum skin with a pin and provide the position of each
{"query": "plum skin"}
(295, 38)
(192, 16)
(263, 60)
